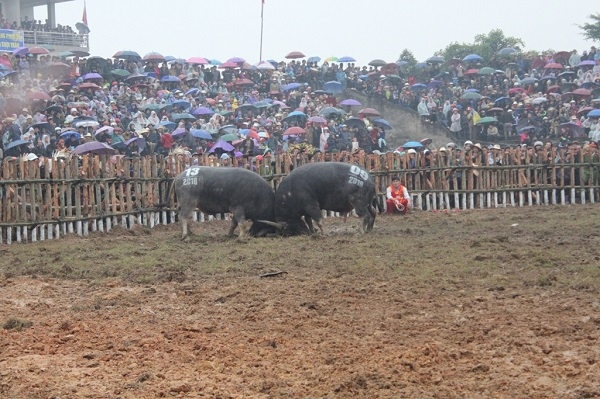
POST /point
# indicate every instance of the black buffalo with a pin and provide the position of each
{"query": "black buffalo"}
(331, 186)
(244, 194)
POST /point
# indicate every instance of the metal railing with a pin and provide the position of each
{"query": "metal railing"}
(52, 39)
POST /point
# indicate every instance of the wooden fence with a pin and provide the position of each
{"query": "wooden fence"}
(47, 199)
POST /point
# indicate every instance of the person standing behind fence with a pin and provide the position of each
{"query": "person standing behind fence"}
(455, 123)
(397, 197)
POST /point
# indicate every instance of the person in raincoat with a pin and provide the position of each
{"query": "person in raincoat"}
(423, 110)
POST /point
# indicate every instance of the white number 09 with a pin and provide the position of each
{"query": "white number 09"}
(355, 170)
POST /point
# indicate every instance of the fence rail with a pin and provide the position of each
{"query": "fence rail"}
(41, 200)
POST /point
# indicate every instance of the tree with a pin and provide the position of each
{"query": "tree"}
(407, 56)
(591, 30)
(485, 45)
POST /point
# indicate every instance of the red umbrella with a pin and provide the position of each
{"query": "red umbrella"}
(516, 90)
(243, 82)
(38, 50)
(553, 65)
(584, 111)
(228, 65)
(153, 57)
(495, 109)
(294, 130)
(583, 92)
(471, 72)
(88, 85)
(295, 54)
(553, 89)
(38, 95)
(369, 112)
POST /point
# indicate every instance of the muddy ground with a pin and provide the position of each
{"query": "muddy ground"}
(478, 304)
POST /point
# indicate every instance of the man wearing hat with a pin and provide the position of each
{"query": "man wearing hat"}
(397, 198)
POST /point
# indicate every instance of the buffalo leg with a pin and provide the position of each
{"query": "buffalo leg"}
(314, 213)
(185, 213)
(308, 222)
(234, 224)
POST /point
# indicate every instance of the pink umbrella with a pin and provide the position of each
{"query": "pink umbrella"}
(553, 65)
(104, 129)
(38, 50)
(228, 65)
(294, 130)
(295, 55)
(317, 119)
(197, 60)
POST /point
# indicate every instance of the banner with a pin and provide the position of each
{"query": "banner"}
(11, 39)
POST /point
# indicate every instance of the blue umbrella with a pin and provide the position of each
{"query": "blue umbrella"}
(421, 65)
(418, 86)
(181, 104)
(472, 58)
(313, 59)
(20, 51)
(177, 117)
(574, 129)
(225, 146)
(92, 75)
(528, 81)
(228, 129)
(595, 113)
(170, 78)
(401, 63)
(169, 58)
(382, 123)
(200, 134)
(291, 86)
(501, 99)
(412, 144)
(472, 90)
(331, 111)
(346, 59)
(436, 59)
(193, 91)
(16, 143)
(214, 62)
(168, 124)
(507, 51)
(333, 87)
(350, 102)
(526, 128)
(297, 113)
(70, 134)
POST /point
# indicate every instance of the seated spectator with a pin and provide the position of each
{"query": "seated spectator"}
(397, 198)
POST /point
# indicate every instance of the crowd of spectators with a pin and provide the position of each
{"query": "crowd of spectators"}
(34, 25)
(51, 106)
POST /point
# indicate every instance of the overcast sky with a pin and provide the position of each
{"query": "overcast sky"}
(364, 30)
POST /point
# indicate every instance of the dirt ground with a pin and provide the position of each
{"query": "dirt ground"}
(477, 304)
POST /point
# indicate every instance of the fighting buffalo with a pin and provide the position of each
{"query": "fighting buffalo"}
(244, 194)
(330, 186)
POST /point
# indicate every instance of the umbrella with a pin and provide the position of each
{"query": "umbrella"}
(91, 75)
(200, 111)
(223, 145)
(350, 102)
(582, 92)
(377, 63)
(127, 55)
(526, 128)
(58, 67)
(229, 137)
(539, 100)
(103, 129)
(291, 86)
(317, 119)
(262, 104)
(294, 130)
(331, 111)
(507, 51)
(333, 87)
(200, 134)
(346, 59)
(294, 55)
(472, 71)
(21, 51)
(180, 131)
(88, 85)
(553, 65)
(436, 59)
(243, 82)
(16, 143)
(154, 57)
(135, 76)
(418, 86)
(496, 109)
(528, 81)
(314, 59)
(471, 95)
(120, 73)
(594, 114)
(42, 125)
(472, 58)
(586, 63)
(486, 119)
(412, 144)
(236, 60)
(94, 147)
(331, 59)
(85, 123)
(296, 113)
(584, 111)
(434, 83)
(369, 112)
(421, 65)
(183, 104)
(265, 66)
(167, 78)
(38, 50)
(168, 124)
(228, 129)
(228, 65)
(382, 123)
(486, 71)
(197, 60)
(355, 122)
(177, 117)
(69, 134)
(574, 129)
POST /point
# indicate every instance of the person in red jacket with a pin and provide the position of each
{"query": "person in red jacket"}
(166, 142)
(398, 200)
